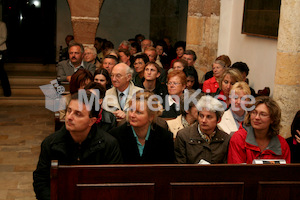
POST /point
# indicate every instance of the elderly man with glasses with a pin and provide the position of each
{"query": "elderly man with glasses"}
(117, 98)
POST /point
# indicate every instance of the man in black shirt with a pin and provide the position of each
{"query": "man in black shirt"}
(79, 142)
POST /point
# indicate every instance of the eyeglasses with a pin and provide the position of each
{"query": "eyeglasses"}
(262, 115)
(173, 83)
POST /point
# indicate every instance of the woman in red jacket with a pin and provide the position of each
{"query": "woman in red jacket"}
(211, 85)
(259, 138)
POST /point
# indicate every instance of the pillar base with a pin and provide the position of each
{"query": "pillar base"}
(288, 98)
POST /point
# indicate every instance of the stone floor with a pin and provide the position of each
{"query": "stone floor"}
(22, 129)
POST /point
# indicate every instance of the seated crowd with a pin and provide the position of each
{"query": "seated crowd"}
(129, 106)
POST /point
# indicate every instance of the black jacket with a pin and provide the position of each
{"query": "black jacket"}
(108, 121)
(98, 148)
(172, 111)
(160, 89)
(159, 148)
(295, 150)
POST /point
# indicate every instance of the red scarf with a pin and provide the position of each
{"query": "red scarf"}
(294, 141)
(99, 117)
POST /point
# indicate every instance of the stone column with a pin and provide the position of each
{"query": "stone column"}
(85, 20)
(203, 32)
(287, 77)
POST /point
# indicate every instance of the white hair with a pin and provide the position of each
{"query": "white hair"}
(93, 49)
(211, 104)
(129, 70)
(151, 42)
(126, 43)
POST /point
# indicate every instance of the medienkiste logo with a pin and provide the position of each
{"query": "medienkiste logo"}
(54, 100)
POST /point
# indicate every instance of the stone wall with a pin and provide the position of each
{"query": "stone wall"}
(203, 32)
(287, 77)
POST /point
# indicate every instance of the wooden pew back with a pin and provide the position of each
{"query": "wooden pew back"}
(176, 182)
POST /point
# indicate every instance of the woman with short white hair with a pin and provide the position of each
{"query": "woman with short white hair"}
(203, 142)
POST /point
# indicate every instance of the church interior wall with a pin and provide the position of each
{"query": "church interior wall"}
(119, 20)
(63, 24)
(259, 53)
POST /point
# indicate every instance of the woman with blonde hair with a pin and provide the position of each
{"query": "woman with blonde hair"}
(235, 115)
(259, 138)
(141, 140)
(226, 81)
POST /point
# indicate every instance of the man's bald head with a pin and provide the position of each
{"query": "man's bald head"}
(146, 43)
(121, 76)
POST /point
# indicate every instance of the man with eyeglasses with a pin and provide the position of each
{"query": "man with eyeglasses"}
(90, 56)
(117, 98)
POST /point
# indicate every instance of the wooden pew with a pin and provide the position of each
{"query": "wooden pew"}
(58, 122)
(176, 182)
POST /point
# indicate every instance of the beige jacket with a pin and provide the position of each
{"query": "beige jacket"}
(227, 123)
(111, 100)
(66, 101)
(175, 125)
